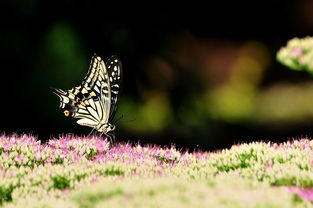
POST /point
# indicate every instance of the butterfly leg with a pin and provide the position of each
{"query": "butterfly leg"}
(110, 137)
(90, 132)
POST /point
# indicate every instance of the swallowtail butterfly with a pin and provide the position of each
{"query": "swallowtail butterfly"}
(95, 101)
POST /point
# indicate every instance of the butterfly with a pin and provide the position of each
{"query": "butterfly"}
(95, 101)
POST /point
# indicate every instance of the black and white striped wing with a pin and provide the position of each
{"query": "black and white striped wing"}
(96, 108)
(93, 82)
(114, 68)
(91, 101)
(93, 72)
(91, 112)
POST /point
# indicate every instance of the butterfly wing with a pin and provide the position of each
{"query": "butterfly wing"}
(114, 68)
(97, 107)
(96, 74)
(93, 72)
(91, 100)
(90, 112)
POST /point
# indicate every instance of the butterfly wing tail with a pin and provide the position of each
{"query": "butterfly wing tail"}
(62, 95)
(58, 92)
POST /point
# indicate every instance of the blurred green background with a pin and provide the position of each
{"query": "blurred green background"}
(199, 76)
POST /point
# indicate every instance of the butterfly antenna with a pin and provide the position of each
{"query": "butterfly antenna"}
(134, 119)
(130, 120)
(122, 116)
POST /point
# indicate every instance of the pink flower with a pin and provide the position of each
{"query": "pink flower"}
(304, 193)
(101, 145)
(94, 180)
(38, 155)
(297, 52)
(19, 159)
(307, 194)
(65, 191)
(6, 146)
(267, 165)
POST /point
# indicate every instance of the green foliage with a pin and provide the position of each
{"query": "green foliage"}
(112, 172)
(5, 194)
(284, 181)
(78, 177)
(58, 160)
(60, 182)
(90, 155)
(297, 199)
(238, 160)
(166, 160)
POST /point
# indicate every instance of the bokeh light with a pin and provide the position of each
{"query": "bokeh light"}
(204, 79)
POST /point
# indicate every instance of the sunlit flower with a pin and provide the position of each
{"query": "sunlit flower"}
(297, 54)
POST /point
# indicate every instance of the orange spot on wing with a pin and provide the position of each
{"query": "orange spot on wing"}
(79, 103)
(66, 113)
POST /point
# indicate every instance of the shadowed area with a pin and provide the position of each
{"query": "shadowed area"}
(202, 77)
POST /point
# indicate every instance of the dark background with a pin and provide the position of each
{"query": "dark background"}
(199, 76)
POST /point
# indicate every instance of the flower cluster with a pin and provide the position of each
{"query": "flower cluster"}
(61, 168)
(298, 54)
(27, 151)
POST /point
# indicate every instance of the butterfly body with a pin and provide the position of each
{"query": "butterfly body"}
(95, 101)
